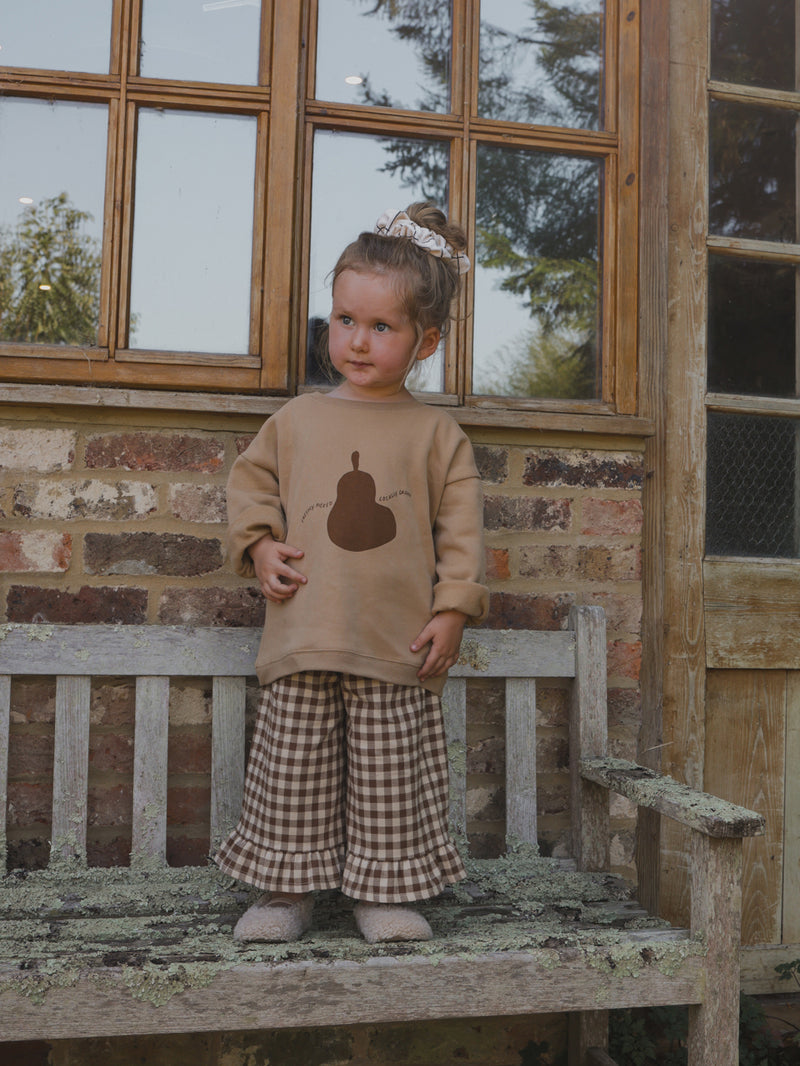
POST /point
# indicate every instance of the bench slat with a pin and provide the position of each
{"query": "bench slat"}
(70, 770)
(151, 736)
(227, 755)
(521, 761)
(181, 651)
(454, 709)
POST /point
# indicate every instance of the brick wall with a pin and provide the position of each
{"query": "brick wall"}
(124, 523)
(119, 518)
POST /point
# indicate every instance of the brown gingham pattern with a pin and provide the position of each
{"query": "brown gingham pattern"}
(347, 787)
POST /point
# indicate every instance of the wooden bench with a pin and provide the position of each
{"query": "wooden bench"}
(148, 949)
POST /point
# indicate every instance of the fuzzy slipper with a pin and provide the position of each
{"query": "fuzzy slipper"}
(381, 923)
(275, 919)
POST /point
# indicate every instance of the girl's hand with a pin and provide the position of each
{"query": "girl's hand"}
(277, 579)
(443, 633)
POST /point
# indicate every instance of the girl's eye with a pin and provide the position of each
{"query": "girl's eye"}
(345, 320)
(381, 327)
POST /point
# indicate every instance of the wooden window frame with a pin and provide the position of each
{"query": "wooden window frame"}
(287, 117)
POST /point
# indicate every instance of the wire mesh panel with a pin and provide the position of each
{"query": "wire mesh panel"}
(752, 506)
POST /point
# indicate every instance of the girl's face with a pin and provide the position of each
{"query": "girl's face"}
(372, 341)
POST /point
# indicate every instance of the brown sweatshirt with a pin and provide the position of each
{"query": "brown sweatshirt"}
(385, 501)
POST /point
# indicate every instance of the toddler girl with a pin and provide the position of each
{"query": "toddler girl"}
(359, 513)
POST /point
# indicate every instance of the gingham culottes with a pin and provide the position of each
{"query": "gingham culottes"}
(346, 787)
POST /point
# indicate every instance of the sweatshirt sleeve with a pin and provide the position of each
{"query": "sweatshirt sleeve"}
(458, 538)
(254, 502)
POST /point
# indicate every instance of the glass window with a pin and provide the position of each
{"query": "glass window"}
(542, 62)
(190, 40)
(55, 35)
(392, 172)
(536, 275)
(52, 185)
(386, 54)
(753, 42)
(752, 507)
(193, 232)
(752, 172)
(751, 327)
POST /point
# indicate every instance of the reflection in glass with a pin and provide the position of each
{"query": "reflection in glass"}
(356, 178)
(751, 327)
(54, 35)
(201, 40)
(192, 234)
(52, 185)
(752, 480)
(752, 172)
(536, 320)
(389, 53)
(753, 42)
(542, 62)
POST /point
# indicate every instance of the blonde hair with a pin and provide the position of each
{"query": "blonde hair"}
(426, 284)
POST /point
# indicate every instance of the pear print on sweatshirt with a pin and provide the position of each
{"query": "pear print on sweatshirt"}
(357, 522)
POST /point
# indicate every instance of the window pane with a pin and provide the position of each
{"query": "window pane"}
(192, 235)
(392, 173)
(751, 327)
(752, 172)
(54, 35)
(537, 277)
(52, 185)
(753, 42)
(388, 54)
(752, 506)
(190, 40)
(542, 62)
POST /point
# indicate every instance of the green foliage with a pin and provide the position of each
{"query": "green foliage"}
(48, 246)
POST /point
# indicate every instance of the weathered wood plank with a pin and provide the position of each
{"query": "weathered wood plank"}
(151, 736)
(521, 761)
(5, 721)
(454, 710)
(746, 730)
(70, 770)
(182, 651)
(412, 988)
(595, 1056)
(791, 863)
(227, 754)
(717, 913)
(751, 614)
(588, 737)
(696, 810)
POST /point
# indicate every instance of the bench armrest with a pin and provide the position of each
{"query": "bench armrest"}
(697, 810)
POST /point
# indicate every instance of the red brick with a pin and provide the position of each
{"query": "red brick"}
(559, 467)
(33, 701)
(151, 553)
(29, 803)
(604, 563)
(189, 752)
(110, 805)
(155, 451)
(497, 564)
(625, 659)
(243, 443)
(40, 551)
(116, 852)
(30, 753)
(212, 607)
(511, 610)
(111, 753)
(612, 517)
(127, 606)
(527, 513)
(487, 756)
(492, 463)
(188, 805)
(625, 710)
(623, 613)
(114, 705)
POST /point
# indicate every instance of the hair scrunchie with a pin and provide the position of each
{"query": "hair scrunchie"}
(398, 224)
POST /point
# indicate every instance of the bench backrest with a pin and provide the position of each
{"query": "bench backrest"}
(153, 655)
